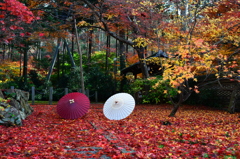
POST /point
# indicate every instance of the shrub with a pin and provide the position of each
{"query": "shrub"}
(8, 71)
(97, 80)
(151, 91)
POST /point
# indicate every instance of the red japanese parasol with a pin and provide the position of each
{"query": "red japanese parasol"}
(73, 105)
(118, 106)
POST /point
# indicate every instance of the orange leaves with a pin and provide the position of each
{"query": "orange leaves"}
(68, 3)
(131, 59)
(221, 22)
(177, 73)
(198, 42)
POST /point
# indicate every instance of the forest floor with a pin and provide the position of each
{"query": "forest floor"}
(195, 132)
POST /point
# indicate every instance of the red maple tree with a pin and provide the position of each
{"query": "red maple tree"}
(12, 15)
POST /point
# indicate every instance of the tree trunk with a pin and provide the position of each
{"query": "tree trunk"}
(231, 106)
(25, 63)
(183, 96)
(53, 62)
(90, 46)
(80, 56)
(73, 39)
(107, 53)
(69, 54)
(176, 106)
(4, 51)
(20, 63)
(59, 63)
(122, 58)
(174, 110)
(143, 64)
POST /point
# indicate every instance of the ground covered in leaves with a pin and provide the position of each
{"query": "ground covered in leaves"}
(195, 132)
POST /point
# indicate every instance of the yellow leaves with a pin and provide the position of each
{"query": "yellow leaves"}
(146, 3)
(110, 16)
(2, 108)
(176, 75)
(179, 62)
(8, 70)
(212, 30)
(134, 12)
(141, 42)
(235, 38)
(130, 77)
(225, 52)
(83, 23)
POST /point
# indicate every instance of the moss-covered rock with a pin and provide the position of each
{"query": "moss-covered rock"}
(14, 107)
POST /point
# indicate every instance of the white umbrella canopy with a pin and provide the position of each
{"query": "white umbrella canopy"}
(119, 106)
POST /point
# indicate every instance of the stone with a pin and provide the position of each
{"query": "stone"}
(14, 107)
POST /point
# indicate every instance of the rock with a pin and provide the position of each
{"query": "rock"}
(14, 107)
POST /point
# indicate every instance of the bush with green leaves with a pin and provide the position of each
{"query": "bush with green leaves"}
(103, 83)
(151, 91)
(207, 97)
(74, 80)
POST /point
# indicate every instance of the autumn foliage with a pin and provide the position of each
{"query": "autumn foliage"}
(8, 71)
(196, 132)
(13, 14)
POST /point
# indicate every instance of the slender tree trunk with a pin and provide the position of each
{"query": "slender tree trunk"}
(232, 103)
(143, 64)
(53, 61)
(116, 47)
(122, 55)
(69, 54)
(176, 106)
(4, 51)
(107, 53)
(73, 28)
(9, 52)
(20, 63)
(183, 96)
(174, 110)
(122, 51)
(90, 44)
(25, 63)
(59, 63)
(80, 56)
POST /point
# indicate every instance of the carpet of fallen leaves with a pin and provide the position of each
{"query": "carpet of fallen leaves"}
(195, 132)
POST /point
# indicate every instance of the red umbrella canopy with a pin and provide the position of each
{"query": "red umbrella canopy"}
(73, 105)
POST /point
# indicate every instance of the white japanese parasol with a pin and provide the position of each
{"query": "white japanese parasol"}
(118, 106)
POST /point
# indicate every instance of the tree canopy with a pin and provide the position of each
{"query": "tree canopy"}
(200, 37)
